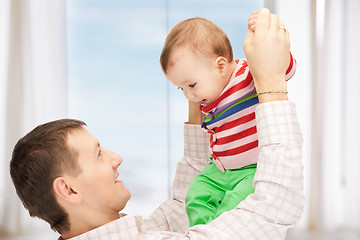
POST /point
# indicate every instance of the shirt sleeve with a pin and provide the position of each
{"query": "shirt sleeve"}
(278, 200)
(171, 215)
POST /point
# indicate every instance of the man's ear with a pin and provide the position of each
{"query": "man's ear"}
(221, 63)
(64, 191)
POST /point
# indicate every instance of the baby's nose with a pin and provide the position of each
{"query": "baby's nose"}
(190, 96)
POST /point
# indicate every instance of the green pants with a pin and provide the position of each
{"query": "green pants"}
(213, 192)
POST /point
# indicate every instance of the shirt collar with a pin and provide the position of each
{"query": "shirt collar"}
(127, 227)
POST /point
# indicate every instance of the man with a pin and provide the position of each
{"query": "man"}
(64, 176)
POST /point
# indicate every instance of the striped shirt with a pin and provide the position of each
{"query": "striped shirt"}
(230, 120)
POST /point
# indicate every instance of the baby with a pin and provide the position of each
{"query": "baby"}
(197, 57)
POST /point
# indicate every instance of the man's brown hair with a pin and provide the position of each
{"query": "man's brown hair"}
(198, 35)
(37, 160)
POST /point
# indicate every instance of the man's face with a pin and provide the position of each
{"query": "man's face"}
(197, 76)
(98, 184)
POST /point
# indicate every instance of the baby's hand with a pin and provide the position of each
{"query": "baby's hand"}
(252, 20)
(195, 115)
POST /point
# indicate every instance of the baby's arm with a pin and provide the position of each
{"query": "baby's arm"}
(195, 115)
(252, 20)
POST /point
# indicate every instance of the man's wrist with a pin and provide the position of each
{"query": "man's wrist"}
(270, 90)
(272, 97)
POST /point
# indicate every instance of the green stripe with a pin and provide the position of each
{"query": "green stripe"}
(208, 118)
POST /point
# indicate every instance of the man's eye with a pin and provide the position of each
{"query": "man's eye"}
(192, 85)
(180, 88)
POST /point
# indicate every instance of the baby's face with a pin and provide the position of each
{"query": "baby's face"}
(197, 76)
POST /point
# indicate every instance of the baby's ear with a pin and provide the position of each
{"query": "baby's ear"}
(221, 63)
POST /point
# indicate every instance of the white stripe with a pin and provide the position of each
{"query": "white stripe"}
(236, 129)
(234, 81)
(240, 160)
(235, 144)
(292, 71)
(237, 95)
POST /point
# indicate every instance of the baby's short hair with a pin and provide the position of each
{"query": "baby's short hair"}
(198, 35)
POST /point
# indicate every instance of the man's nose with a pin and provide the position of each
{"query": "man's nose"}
(116, 161)
(114, 158)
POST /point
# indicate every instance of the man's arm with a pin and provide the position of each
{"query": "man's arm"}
(267, 53)
(278, 200)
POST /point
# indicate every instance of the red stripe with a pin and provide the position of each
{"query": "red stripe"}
(235, 123)
(244, 83)
(237, 150)
(237, 136)
(290, 66)
(242, 69)
(212, 143)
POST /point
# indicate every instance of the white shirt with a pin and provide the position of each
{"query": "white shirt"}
(276, 205)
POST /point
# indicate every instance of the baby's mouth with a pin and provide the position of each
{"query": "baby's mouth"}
(203, 101)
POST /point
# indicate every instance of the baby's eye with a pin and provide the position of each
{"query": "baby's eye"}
(192, 85)
(180, 88)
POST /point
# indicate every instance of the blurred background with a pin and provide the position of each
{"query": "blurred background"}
(98, 61)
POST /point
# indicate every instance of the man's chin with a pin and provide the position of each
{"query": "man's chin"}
(127, 197)
(124, 199)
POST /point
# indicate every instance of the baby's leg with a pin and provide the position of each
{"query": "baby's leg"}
(242, 179)
(204, 195)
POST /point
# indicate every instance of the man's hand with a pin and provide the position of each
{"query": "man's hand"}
(267, 51)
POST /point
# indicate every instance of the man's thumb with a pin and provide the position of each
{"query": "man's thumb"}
(248, 40)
